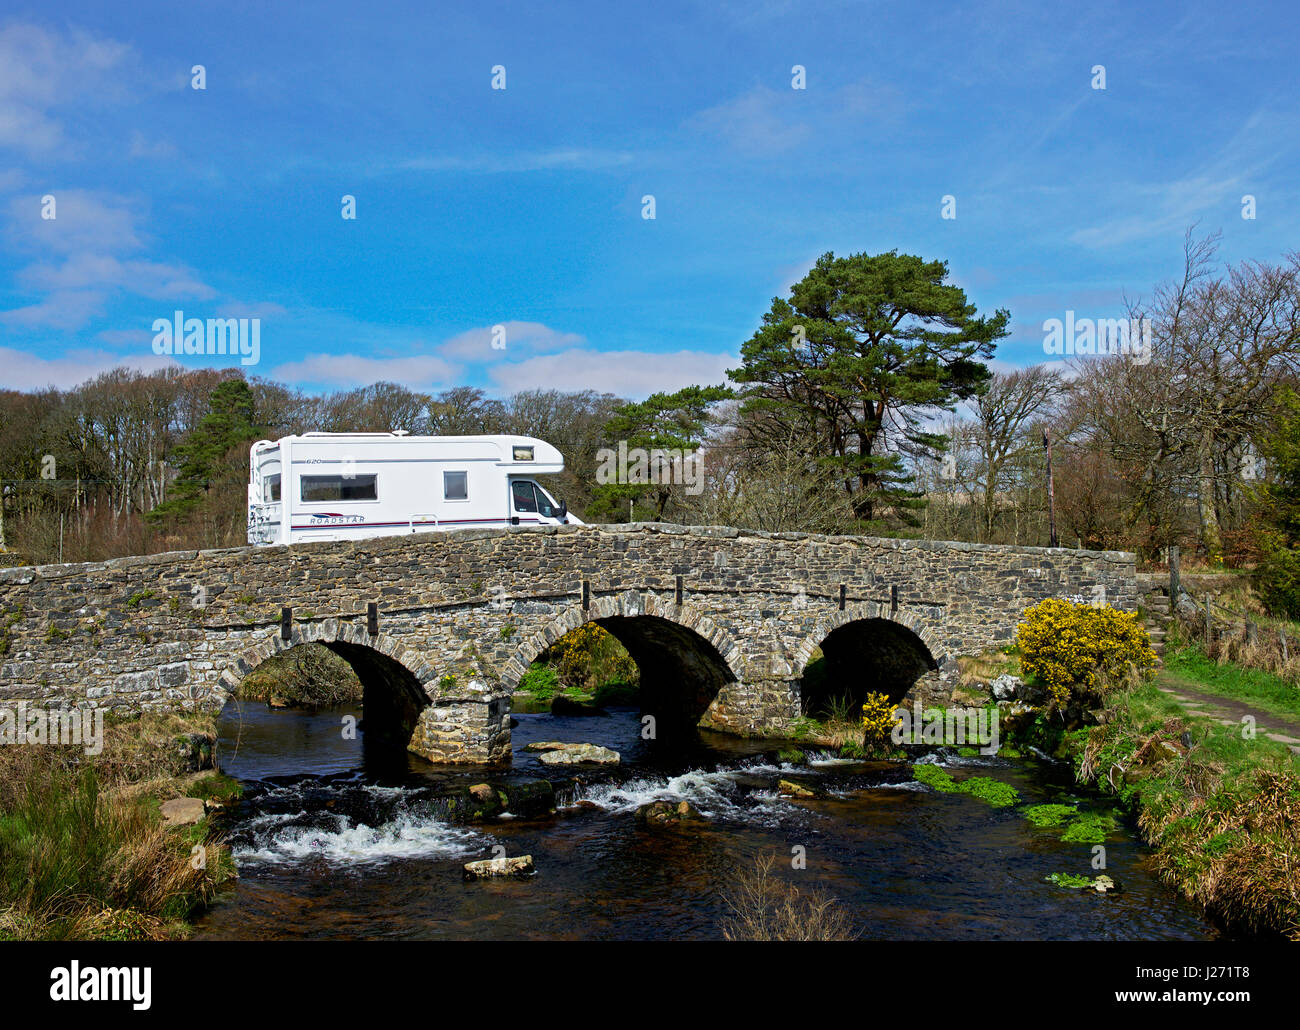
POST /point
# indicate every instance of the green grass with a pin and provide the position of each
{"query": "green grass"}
(1222, 817)
(1261, 689)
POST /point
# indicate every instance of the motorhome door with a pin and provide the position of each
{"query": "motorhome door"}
(523, 503)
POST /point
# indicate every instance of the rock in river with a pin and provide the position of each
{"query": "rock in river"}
(557, 753)
(520, 868)
(661, 813)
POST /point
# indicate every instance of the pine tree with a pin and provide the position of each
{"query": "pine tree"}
(863, 349)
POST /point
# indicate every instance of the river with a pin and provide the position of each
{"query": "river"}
(334, 841)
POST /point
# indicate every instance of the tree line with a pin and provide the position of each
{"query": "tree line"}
(864, 402)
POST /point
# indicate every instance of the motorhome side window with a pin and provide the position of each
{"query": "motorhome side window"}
(273, 488)
(340, 488)
(525, 499)
(455, 486)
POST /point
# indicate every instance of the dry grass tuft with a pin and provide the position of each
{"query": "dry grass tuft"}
(766, 908)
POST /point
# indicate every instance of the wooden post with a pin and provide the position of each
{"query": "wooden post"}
(1051, 493)
(1209, 620)
(1175, 577)
(1252, 632)
(286, 623)
(1285, 656)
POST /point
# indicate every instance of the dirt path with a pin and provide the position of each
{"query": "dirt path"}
(1196, 699)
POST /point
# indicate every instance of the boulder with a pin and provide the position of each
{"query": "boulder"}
(664, 813)
(1006, 687)
(520, 868)
(182, 811)
(573, 754)
(795, 789)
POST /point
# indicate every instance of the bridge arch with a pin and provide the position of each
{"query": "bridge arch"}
(395, 683)
(866, 649)
(686, 659)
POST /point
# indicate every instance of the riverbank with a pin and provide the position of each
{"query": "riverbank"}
(1218, 804)
(117, 845)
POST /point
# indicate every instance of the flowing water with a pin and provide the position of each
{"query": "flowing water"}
(337, 841)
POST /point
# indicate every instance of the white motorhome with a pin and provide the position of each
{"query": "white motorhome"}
(348, 486)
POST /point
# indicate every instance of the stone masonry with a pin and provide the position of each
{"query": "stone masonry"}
(721, 621)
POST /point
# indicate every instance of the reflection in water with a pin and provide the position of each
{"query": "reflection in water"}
(339, 841)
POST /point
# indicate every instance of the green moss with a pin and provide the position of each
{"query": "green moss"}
(1090, 828)
(995, 792)
(934, 777)
(1049, 815)
(1070, 880)
(987, 789)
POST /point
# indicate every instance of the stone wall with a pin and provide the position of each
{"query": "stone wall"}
(458, 616)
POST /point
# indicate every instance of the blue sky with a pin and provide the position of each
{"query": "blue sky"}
(522, 207)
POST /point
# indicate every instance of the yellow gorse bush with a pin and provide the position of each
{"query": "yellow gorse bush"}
(1080, 651)
(878, 718)
(589, 655)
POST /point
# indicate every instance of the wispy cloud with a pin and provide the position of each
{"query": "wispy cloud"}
(42, 70)
(563, 158)
(417, 371)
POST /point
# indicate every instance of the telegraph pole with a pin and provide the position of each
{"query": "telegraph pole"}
(1051, 492)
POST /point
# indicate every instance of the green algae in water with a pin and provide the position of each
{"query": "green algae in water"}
(987, 789)
(1090, 828)
(933, 776)
(995, 792)
(1049, 815)
(1069, 880)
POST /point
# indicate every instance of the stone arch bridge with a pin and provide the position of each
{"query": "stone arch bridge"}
(441, 626)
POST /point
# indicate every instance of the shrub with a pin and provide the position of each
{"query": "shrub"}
(878, 720)
(1279, 581)
(1078, 652)
(541, 681)
(589, 656)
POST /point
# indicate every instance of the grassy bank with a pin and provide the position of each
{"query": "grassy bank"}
(84, 853)
(1255, 687)
(1221, 813)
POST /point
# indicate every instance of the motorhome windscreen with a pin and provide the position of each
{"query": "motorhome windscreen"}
(339, 488)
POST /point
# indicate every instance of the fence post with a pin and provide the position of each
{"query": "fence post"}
(1175, 582)
(1209, 620)
(1252, 632)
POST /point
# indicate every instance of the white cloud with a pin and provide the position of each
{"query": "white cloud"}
(417, 371)
(40, 70)
(568, 158)
(628, 373)
(63, 309)
(527, 337)
(84, 221)
(24, 371)
(145, 278)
